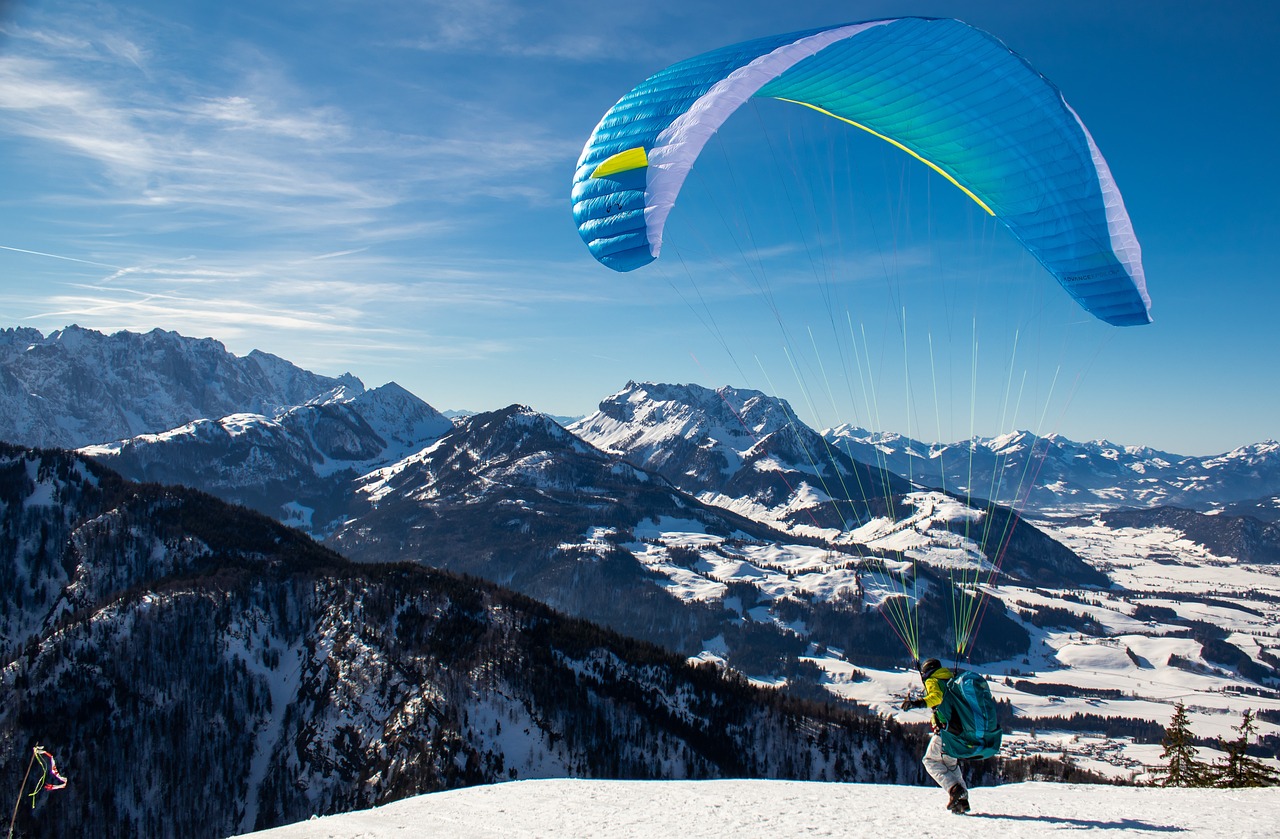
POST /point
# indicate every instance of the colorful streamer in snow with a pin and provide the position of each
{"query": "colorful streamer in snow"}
(50, 778)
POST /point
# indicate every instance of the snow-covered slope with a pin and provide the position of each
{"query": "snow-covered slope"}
(403, 421)
(739, 449)
(1243, 537)
(297, 466)
(78, 386)
(570, 809)
(747, 452)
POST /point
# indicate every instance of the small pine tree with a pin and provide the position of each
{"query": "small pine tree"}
(1180, 769)
(1240, 769)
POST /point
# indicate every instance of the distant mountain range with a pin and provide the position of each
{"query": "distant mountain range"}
(1055, 475)
(513, 497)
(77, 387)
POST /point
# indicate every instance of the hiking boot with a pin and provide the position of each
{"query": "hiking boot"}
(959, 799)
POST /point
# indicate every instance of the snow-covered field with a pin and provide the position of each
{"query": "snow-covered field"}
(784, 809)
(1128, 666)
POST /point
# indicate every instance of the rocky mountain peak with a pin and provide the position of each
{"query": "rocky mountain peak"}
(516, 431)
(686, 408)
(400, 417)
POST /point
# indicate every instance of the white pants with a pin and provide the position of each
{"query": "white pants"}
(942, 767)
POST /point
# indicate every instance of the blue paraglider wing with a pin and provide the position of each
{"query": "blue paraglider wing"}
(948, 94)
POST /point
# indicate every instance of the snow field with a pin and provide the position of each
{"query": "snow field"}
(741, 809)
(1159, 560)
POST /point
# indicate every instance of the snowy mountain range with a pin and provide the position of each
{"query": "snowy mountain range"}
(745, 451)
(77, 387)
(1052, 474)
(715, 524)
(515, 498)
(741, 450)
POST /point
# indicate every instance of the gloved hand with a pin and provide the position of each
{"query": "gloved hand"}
(909, 703)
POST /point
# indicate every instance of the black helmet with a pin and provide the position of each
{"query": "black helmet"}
(927, 667)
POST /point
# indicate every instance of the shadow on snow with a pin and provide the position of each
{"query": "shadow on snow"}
(1120, 824)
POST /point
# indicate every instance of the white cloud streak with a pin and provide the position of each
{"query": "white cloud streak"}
(56, 256)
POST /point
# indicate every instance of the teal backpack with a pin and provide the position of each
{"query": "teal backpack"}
(972, 731)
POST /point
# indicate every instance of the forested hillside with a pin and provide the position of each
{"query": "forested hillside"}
(199, 670)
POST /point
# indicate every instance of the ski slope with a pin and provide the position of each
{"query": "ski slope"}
(784, 809)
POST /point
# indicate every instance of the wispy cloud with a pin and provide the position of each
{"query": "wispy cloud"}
(38, 101)
(240, 113)
(503, 27)
(317, 297)
(581, 31)
(255, 149)
(177, 152)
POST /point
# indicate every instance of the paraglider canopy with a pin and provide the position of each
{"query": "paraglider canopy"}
(950, 95)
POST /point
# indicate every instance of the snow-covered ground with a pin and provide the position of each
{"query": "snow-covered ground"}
(784, 809)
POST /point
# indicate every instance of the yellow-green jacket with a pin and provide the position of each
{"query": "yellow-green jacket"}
(933, 688)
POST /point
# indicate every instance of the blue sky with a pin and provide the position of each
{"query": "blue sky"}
(383, 188)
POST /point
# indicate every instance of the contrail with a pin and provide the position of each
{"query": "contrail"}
(334, 254)
(67, 258)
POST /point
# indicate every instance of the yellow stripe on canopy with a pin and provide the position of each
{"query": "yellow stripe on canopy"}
(928, 163)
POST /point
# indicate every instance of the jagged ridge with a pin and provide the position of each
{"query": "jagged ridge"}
(77, 386)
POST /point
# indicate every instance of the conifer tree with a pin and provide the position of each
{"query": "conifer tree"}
(1240, 769)
(1180, 768)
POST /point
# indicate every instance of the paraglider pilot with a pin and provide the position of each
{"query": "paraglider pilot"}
(941, 766)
